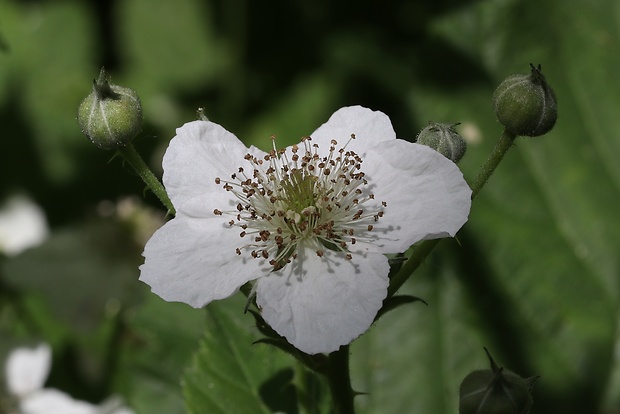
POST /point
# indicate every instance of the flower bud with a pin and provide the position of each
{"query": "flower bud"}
(526, 104)
(111, 116)
(495, 391)
(444, 139)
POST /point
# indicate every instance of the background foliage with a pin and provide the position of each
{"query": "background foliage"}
(535, 273)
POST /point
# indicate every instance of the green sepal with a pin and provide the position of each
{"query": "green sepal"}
(262, 326)
(495, 391)
(396, 263)
(316, 363)
(397, 301)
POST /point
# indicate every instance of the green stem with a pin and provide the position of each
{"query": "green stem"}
(135, 160)
(501, 147)
(421, 251)
(112, 353)
(339, 380)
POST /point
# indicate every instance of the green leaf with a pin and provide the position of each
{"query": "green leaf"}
(161, 339)
(229, 374)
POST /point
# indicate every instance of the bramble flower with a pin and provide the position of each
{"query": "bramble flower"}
(311, 222)
(26, 371)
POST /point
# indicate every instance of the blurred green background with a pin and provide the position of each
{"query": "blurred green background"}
(534, 276)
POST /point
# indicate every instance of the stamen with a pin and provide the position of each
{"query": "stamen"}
(301, 196)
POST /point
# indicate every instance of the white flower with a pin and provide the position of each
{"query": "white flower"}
(22, 225)
(311, 222)
(26, 371)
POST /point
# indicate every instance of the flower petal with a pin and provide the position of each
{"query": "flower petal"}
(321, 303)
(114, 405)
(200, 152)
(425, 192)
(370, 128)
(194, 261)
(26, 369)
(22, 225)
(51, 401)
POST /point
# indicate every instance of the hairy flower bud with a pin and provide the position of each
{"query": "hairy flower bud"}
(444, 139)
(111, 116)
(495, 391)
(526, 104)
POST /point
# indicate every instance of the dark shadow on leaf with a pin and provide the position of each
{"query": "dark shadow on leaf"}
(278, 392)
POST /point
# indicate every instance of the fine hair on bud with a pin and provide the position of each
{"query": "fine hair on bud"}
(525, 104)
(443, 138)
(111, 116)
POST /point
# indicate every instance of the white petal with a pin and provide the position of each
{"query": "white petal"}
(51, 401)
(426, 194)
(122, 410)
(319, 304)
(22, 225)
(194, 261)
(27, 369)
(200, 152)
(370, 128)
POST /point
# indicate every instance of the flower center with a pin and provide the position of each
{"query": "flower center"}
(301, 196)
(298, 191)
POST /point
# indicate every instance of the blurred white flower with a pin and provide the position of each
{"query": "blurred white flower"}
(22, 225)
(26, 371)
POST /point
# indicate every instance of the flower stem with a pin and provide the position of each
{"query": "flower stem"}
(135, 160)
(339, 380)
(501, 147)
(421, 251)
